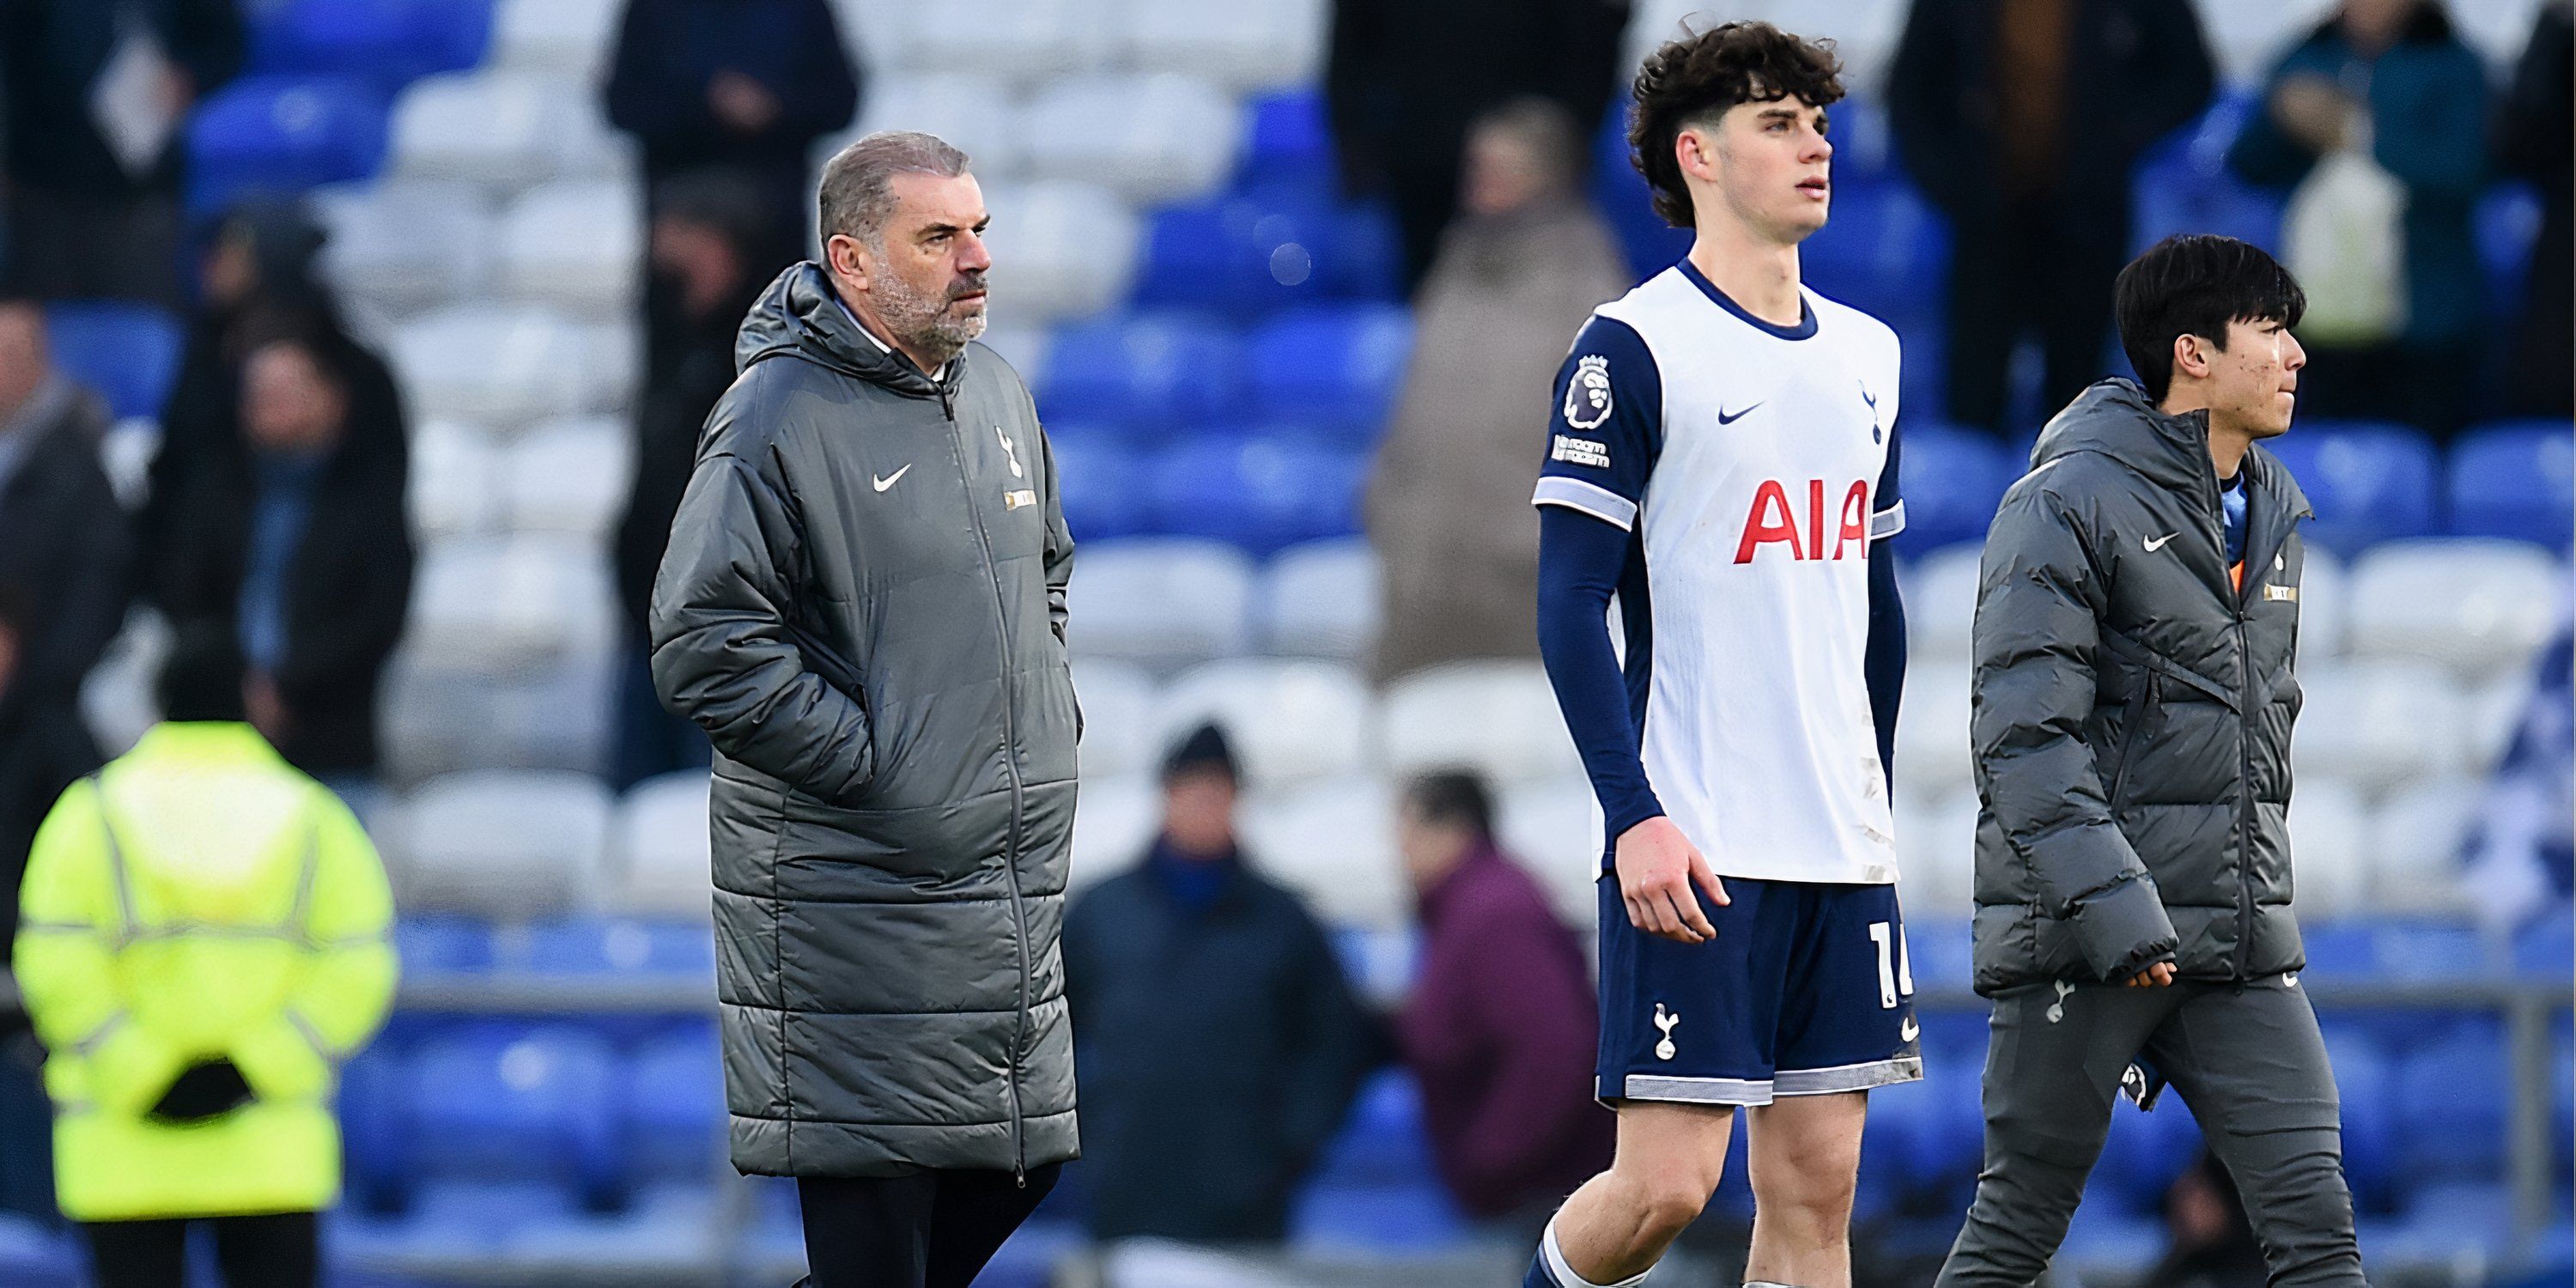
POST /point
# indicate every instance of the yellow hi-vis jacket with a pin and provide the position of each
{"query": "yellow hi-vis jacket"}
(200, 898)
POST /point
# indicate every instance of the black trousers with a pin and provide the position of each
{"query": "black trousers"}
(276, 1251)
(932, 1229)
(2247, 1060)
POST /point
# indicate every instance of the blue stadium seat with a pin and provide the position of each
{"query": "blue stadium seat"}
(389, 42)
(2447, 1222)
(2507, 223)
(2362, 1075)
(1375, 1187)
(1885, 251)
(1260, 492)
(2340, 949)
(2106, 1234)
(2182, 183)
(1155, 371)
(1289, 141)
(2515, 478)
(1381, 1144)
(618, 946)
(2146, 1151)
(446, 945)
(2562, 1099)
(1102, 471)
(1952, 479)
(513, 1103)
(2453, 1095)
(2416, 950)
(283, 134)
(1336, 367)
(1416, 1218)
(674, 1105)
(375, 1117)
(1941, 953)
(1268, 247)
(2369, 482)
(1620, 194)
(33, 1256)
(127, 352)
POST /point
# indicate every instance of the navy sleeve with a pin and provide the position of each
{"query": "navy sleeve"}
(1605, 426)
(1580, 563)
(1883, 662)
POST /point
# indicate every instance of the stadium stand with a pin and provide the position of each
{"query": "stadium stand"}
(1213, 335)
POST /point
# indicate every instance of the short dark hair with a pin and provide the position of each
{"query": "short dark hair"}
(2195, 284)
(1695, 79)
(202, 678)
(1453, 798)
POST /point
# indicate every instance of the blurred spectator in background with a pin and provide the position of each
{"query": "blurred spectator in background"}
(294, 536)
(2536, 141)
(2362, 125)
(206, 939)
(1217, 1043)
(1521, 268)
(705, 229)
(97, 100)
(63, 564)
(262, 264)
(2212, 1243)
(1406, 79)
(1501, 1024)
(2022, 120)
(743, 86)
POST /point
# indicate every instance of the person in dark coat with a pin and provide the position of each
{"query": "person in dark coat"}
(64, 556)
(743, 86)
(2536, 140)
(2137, 618)
(1501, 1023)
(2398, 70)
(1401, 113)
(702, 241)
(296, 535)
(2022, 121)
(96, 121)
(1217, 1041)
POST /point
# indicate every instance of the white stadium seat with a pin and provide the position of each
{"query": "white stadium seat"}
(407, 245)
(1940, 594)
(1333, 841)
(2376, 723)
(1936, 863)
(570, 476)
(2494, 712)
(1498, 717)
(2331, 858)
(1114, 820)
(510, 846)
(575, 246)
(503, 365)
(2325, 608)
(1243, 44)
(455, 480)
(1026, 348)
(442, 718)
(1119, 726)
(1017, 40)
(1161, 601)
(1288, 720)
(885, 35)
(1320, 599)
(661, 865)
(2417, 834)
(976, 114)
(1154, 139)
(499, 604)
(1064, 250)
(567, 38)
(502, 130)
(1554, 829)
(2480, 606)
(1933, 755)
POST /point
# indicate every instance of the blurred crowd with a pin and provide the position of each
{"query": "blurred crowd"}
(1221, 1041)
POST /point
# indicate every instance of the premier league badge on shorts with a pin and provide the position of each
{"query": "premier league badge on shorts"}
(1587, 395)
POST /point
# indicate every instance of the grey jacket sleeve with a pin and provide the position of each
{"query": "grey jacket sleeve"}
(2039, 598)
(724, 654)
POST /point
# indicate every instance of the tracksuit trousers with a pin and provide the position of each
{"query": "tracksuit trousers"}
(930, 1229)
(2248, 1060)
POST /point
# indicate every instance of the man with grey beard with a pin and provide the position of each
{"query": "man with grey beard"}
(863, 606)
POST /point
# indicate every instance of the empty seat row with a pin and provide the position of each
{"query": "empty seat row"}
(388, 42)
(503, 130)
(411, 244)
(1165, 602)
(1260, 492)
(510, 364)
(1336, 368)
(570, 476)
(1242, 46)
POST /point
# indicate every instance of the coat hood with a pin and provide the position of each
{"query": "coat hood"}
(2116, 418)
(799, 315)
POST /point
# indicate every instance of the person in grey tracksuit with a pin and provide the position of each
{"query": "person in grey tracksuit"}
(863, 604)
(2137, 618)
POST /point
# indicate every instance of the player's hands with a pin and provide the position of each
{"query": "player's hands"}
(1657, 867)
(2156, 976)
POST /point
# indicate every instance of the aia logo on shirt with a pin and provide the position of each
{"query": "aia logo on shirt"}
(1774, 521)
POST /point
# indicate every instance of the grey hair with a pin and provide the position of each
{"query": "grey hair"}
(857, 192)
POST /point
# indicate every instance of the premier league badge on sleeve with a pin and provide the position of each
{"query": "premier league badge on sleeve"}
(1587, 396)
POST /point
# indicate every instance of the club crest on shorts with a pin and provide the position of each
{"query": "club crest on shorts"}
(1587, 395)
(1665, 1050)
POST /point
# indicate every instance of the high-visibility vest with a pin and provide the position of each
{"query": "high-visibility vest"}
(197, 899)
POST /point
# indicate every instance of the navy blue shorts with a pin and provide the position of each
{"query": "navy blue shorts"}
(1805, 991)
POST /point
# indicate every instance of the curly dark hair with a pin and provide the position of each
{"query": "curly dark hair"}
(1696, 78)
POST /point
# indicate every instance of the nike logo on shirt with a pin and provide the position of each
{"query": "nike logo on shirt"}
(2158, 543)
(889, 480)
(1724, 419)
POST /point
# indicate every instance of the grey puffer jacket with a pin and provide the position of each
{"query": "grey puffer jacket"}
(863, 606)
(2132, 710)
